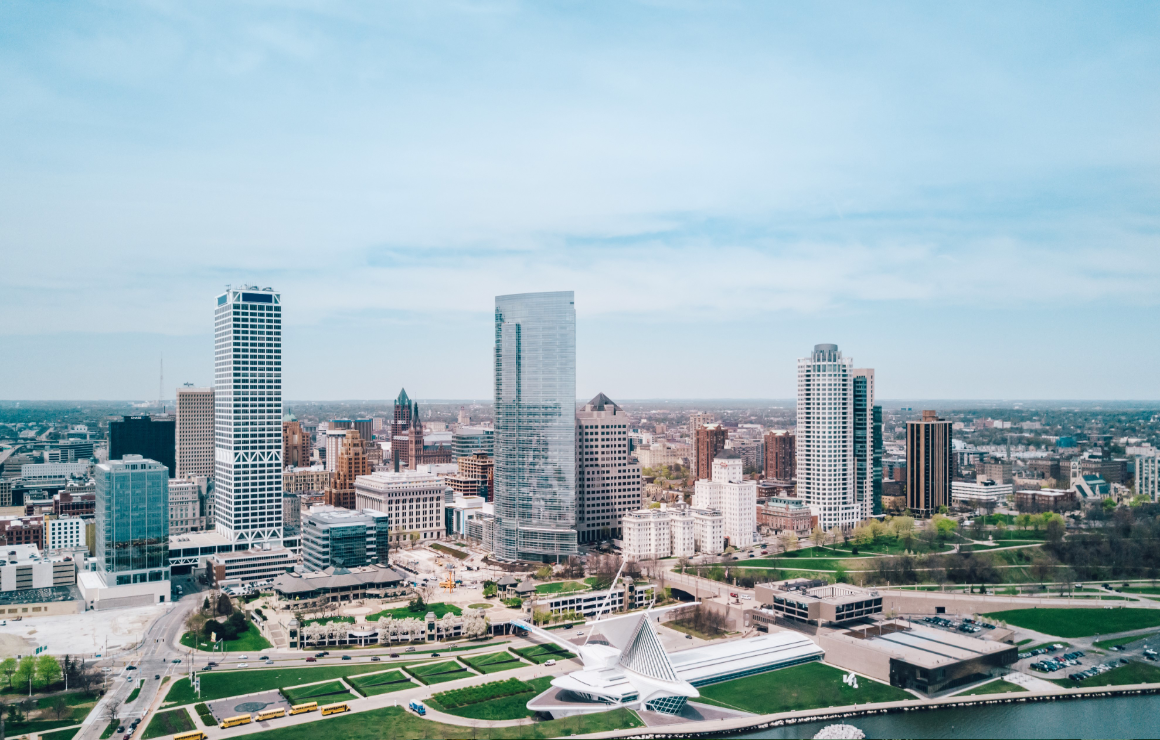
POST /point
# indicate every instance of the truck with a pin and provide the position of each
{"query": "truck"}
(417, 708)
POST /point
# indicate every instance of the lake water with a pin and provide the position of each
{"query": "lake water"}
(1116, 717)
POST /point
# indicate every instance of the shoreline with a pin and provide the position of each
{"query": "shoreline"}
(736, 726)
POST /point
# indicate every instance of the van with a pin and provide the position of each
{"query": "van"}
(550, 661)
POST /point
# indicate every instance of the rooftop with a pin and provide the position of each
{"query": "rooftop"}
(923, 646)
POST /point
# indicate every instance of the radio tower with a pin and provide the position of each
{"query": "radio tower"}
(161, 384)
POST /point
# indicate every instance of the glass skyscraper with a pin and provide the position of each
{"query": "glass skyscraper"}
(132, 520)
(248, 416)
(535, 426)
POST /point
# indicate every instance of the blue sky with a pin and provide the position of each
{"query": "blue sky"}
(962, 196)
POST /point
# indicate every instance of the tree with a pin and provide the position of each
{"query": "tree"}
(417, 604)
(59, 706)
(205, 604)
(47, 670)
(8, 668)
(818, 536)
(544, 572)
(1055, 528)
(490, 589)
(789, 541)
(25, 671)
(224, 606)
(1023, 520)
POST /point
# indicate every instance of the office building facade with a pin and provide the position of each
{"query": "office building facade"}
(867, 445)
(928, 464)
(413, 500)
(351, 463)
(154, 439)
(535, 426)
(708, 442)
(194, 430)
(780, 456)
(608, 481)
(295, 444)
(248, 416)
(344, 538)
(467, 441)
(132, 518)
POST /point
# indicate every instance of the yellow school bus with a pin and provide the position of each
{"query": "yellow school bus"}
(309, 706)
(195, 735)
(241, 719)
(335, 708)
(270, 714)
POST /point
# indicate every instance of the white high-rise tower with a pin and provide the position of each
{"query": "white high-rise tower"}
(248, 416)
(826, 467)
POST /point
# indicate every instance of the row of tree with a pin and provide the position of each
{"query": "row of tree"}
(38, 671)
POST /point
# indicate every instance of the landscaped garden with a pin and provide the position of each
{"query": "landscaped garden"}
(416, 610)
(381, 683)
(544, 653)
(323, 693)
(216, 685)
(492, 701)
(560, 587)
(493, 662)
(994, 687)
(395, 723)
(807, 686)
(460, 554)
(168, 723)
(432, 673)
(220, 625)
(1079, 622)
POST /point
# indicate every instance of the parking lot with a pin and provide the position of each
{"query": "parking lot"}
(967, 625)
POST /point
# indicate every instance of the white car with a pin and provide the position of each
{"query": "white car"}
(243, 665)
(550, 661)
(243, 657)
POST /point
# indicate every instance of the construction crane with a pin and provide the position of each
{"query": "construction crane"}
(449, 584)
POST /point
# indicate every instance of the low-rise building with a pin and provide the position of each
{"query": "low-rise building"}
(814, 601)
(305, 480)
(24, 567)
(334, 536)
(671, 531)
(1090, 487)
(783, 514)
(1044, 499)
(248, 566)
(336, 584)
(626, 596)
(22, 530)
(64, 533)
(462, 510)
(980, 493)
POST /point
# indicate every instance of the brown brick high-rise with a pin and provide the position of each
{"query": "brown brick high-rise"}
(709, 441)
(928, 464)
(352, 462)
(295, 445)
(780, 456)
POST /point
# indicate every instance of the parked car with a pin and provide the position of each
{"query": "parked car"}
(346, 657)
(394, 655)
(243, 665)
(375, 658)
(312, 659)
(410, 649)
(550, 661)
(434, 655)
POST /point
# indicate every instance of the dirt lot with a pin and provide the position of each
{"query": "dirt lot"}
(79, 634)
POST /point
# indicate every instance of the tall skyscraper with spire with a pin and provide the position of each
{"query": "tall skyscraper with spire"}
(535, 426)
(248, 416)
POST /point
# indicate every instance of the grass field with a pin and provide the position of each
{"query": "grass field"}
(109, 729)
(60, 734)
(812, 564)
(79, 706)
(1079, 622)
(542, 653)
(479, 606)
(560, 587)
(1125, 674)
(432, 673)
(169, 723)
(234, 683)
(509, 704)
(1141, 590)
(394, 723)
(382, 683)
(329, 620)
(807, 686)
(461, 555)
(995, 687)
(323, 693)
(135, 692)
(1105, 644)
(493, 662)
(206, 715)
(250, 640)
(404, 612)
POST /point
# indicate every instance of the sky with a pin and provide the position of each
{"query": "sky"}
(962, 196)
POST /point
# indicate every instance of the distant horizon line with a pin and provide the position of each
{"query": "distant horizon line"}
(892, 401)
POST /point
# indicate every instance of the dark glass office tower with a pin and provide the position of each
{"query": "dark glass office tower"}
(535, 426)
(153, 439)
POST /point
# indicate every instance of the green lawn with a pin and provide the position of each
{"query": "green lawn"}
(60, 734)
(206, 715)
(1141, 590)
(510, 704)
(1105, 644)
(235, 683)
(812, 564)
(1079, 622)
(994, 687)
(395, 723)
(79, 706)
(249, 641)
(542, 653)
(560, 587)
(169, 723)
(479, 606)
(493, 662)
(431, 673)
(135, 692)
(806, 686)
(1125, 674)
(14, 729)
(382, 683)
(109, 729)
(329, 620)
(448, 550)
(323, 693)
(404, 612)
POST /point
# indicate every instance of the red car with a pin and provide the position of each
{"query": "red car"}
(312, 660)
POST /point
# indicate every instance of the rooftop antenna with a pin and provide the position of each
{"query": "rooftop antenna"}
(161, 384)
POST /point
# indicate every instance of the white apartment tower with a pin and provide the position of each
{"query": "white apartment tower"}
(1148, 475)
(647, 534)
(195, 445)
(827, 469)
(729, 493)
(608, 482)
(248, 416)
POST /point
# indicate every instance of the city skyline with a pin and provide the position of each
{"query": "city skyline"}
(772, 178)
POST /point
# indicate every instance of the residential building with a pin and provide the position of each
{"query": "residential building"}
(751, 451)
(981, 493)
(708, 442)
(1148, 474)
(696, 421)
(185, 504)
(708, 531)
(153, 439)
(1048, 467)
(608, 482)
(782, 514)
(64, 533)
(334, 439)
(22, 530)
(867, 444)
(535, 427)
(194, 429)
(999, 471)
(467, 441)
(413, 500)
(729, 493)
(351, 463)
(663, 454)
(827, 469)
(683, 538)
(780, 455)
(1044, 499)
(344, 538)
(132, 515)
(928, 464)
(647, 534)
(296, 444)
(248, 416)
(475, 476)
(305, 480)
